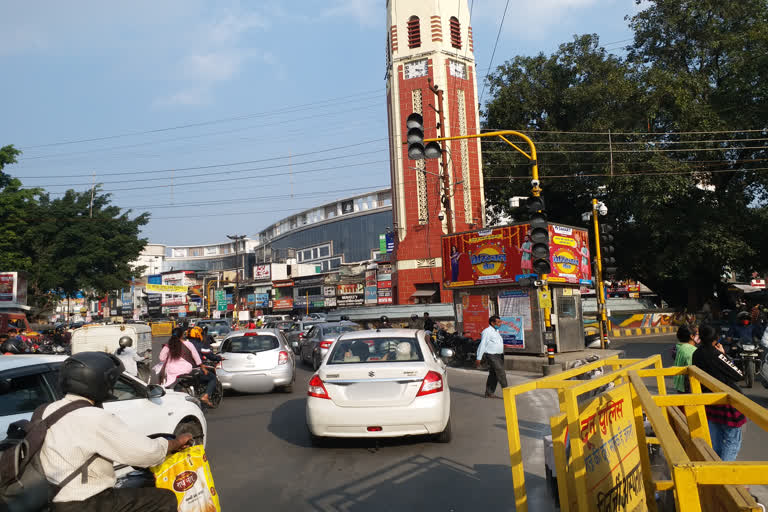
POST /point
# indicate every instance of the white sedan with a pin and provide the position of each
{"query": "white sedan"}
(382, 383)
(28, 381)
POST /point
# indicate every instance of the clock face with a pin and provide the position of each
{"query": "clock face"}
(458, 69)
(415, 69)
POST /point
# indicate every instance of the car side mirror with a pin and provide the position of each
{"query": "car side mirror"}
(446, 353)
(155, 391)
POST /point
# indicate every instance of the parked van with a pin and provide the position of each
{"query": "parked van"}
(104, 338)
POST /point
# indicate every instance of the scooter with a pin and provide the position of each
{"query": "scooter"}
(192, 384)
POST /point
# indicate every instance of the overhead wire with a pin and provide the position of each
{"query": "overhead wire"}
(493, 54)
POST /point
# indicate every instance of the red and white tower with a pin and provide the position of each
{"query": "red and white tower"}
(429, 42)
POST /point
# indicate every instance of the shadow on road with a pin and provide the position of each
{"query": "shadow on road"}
(462, 391)
(430, 483)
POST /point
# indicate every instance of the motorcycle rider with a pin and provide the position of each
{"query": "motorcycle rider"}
(12, 346)
(92, 434)
(384, 322)
(128, 355)
(744, 329)
(209, 376)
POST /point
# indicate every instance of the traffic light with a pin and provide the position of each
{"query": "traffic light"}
(607, 249)
(539, 235)
(415, 138)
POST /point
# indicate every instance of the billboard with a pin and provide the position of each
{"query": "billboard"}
(498, 255)
(13, 289)
(262, 272)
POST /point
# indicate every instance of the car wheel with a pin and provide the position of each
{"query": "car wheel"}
(190, 426)
(445, 435)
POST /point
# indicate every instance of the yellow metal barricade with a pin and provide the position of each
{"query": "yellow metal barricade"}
(609, 461)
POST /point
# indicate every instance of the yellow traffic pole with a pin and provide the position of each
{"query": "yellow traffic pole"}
(603, 321)
(208, 296)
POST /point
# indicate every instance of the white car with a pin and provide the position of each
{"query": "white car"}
(28, 381)
(382, 383)
(256, 361)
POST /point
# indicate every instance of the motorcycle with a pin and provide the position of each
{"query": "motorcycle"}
(464, 348)
(192, 384)
(748, 356)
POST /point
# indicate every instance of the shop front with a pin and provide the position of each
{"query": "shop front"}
(282, 295)
(490, 273)
(308, 293)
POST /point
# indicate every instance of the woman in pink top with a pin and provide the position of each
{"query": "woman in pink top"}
(178, 357)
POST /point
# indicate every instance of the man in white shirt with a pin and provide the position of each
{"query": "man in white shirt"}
(492, 348)
(97, 438)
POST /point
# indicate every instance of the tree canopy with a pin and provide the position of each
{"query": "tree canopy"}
(672, 137)
(65, 244)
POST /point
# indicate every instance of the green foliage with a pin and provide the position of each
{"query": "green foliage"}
(686, 205)
(67, 244)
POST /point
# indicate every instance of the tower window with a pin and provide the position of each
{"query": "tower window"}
(414, 32)
(455, 33)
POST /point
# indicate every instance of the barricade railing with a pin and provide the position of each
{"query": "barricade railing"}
(609, 460)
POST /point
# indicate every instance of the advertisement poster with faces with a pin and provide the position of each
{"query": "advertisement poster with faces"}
(569, 254)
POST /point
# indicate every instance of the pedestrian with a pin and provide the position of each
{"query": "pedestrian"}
(492, 349)
(724, 420)
(687, 338)
(414, 323)
(429, 324)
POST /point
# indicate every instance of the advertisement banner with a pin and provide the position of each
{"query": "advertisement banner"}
(286, 303)
(371, 294)
(8, 287)
(495, 256)
(262, 273)
(330, 302)
(329, 291)
(165, 288)
(511, 330)
(390, 242)
(154, 304)
(346, 289)
(475, 315)
(611, 452)
(569, 254)
(352, 299)
(385, 300)
(282, 284)
(261, 300)
(384, 284)
(516, 303)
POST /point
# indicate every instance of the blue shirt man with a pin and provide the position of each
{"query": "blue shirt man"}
(492, 350)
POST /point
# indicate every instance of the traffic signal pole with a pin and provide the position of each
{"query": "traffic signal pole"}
(446, 202)
(603, 320)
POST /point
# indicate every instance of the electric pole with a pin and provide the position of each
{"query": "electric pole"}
(237, 239)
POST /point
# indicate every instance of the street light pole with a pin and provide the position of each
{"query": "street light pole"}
(603, 320)
(237, 239)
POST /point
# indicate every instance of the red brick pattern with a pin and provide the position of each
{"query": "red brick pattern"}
(407, 280)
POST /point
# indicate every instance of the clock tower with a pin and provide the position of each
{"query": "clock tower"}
(429, 43)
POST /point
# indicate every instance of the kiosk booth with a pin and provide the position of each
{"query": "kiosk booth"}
(490, 273)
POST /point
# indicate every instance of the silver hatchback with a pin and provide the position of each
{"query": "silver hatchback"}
(256, 361)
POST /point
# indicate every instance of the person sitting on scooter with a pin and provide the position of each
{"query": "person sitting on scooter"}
(128, 355)
(179, 357)
(206, 356)
(744, 330)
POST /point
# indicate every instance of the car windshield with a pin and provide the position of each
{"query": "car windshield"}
(338, 329)
(286, 326)
(375, 350)
(250, 344)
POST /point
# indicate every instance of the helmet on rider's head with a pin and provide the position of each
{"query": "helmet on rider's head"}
(91, 375)
(384, 319)
(12, 346)
(125, 341)
(744, 318)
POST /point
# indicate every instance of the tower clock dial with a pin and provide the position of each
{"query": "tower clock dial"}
(416, 68)
(458, 69)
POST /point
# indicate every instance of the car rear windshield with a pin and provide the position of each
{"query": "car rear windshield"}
(375, 350)
(250, 344)
(338, 329)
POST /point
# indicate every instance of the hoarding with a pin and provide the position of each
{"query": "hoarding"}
(13, 289)
(371, 295)
(165, 288)
(496, 256)
(474, 315)
(262, 273)
(286, 303)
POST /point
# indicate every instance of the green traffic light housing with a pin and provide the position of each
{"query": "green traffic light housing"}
(417, 150)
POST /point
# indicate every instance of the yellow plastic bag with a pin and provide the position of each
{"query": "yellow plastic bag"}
(188, 474)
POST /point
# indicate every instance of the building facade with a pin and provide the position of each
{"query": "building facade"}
(429, 43)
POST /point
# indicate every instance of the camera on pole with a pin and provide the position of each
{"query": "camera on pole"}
(607, 249)
(417, 150)
(539, 235)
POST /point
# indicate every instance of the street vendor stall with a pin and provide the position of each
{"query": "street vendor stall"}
(490, 272)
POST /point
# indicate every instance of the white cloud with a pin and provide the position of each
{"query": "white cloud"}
(187, 97)
(231, 27)
(366, 12)
(532, 20)
(212, 67)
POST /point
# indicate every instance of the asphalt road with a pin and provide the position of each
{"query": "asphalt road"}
(261, 457)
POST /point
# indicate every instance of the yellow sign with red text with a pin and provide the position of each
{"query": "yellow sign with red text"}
(611, 453)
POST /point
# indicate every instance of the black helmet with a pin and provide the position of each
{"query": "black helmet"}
(384, 319)
(125, 341)
(744, 315)
(12, 346)
(90, 374)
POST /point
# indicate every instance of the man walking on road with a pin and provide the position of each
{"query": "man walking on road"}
(492, 347)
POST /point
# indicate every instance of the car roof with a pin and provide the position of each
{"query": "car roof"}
(380, 333)
(332, 324)
(234, 334)
(20, 361)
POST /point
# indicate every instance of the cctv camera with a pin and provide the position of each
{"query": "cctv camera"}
(602, 209)
(534, 183)
(441, 215)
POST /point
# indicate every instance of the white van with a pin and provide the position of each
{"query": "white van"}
(104, 338)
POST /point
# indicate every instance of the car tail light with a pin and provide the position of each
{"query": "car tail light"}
(317, 388)
(432, 383)
(375, 429)
(251, 334)
(326, 344)
(283, 357)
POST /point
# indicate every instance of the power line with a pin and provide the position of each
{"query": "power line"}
(211, 166)
(678, 150)
(661, 142)
(628, 174)
(493, 54)
(203, 123)
(644, 134)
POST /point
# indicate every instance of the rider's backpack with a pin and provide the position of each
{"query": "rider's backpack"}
(23, 485)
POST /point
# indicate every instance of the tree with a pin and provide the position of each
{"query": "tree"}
(685, 209)
(15, 204)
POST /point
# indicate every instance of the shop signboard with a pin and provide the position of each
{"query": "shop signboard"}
(13, 289)
(346, 289)
(384, 284)
(330, 302)
(262, 273)
(282, 284)
(285, 303)
(329, 291)
(350, 299)
(251, 299)
(155, 279)
(165, 288)
(496, 256)
(611, 452)
(390, 242)
(371, 294)
(154, 304)
(474, 315)
(261, 300)
(384, 272)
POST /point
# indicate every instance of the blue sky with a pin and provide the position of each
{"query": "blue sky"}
(177, 88)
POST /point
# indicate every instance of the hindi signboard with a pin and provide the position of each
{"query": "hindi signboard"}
(611, 452)
(165, 288)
